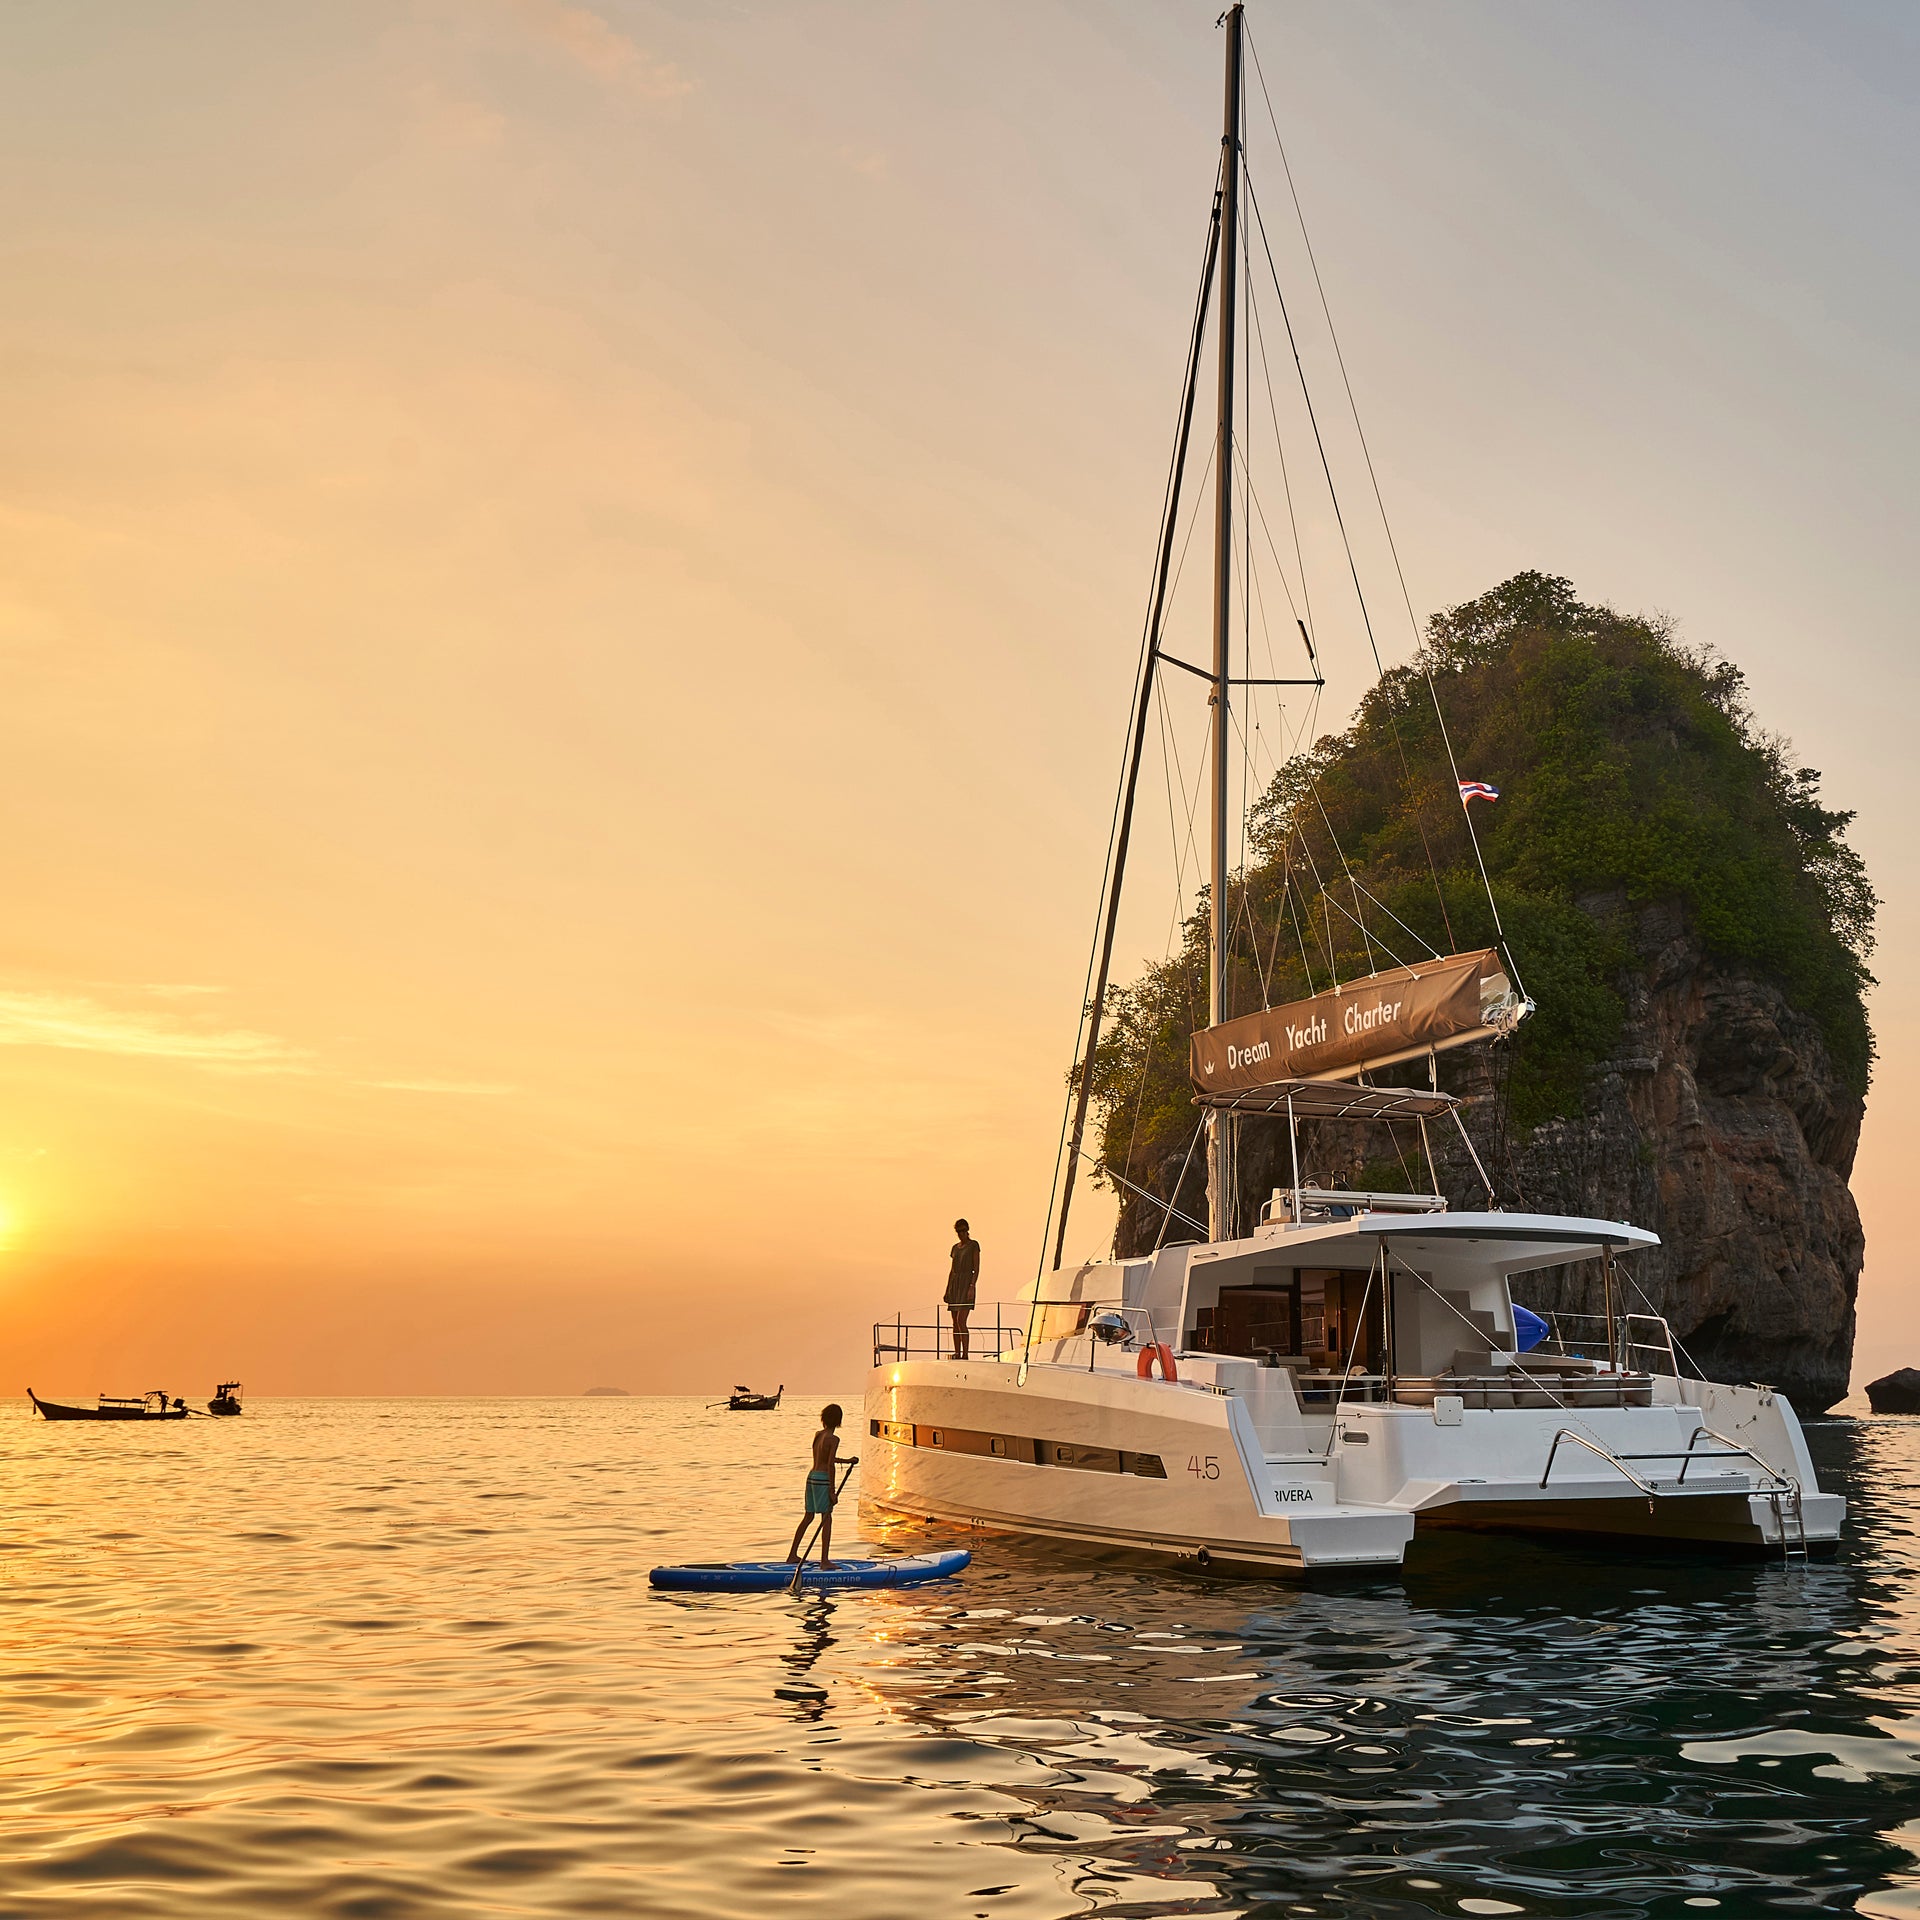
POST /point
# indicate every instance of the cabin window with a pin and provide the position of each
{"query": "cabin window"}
(1262, 1319)
(1018, 1447)
(1335, 1327)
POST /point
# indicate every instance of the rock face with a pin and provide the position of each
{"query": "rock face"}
(1720, 1123)
(1897, 1392)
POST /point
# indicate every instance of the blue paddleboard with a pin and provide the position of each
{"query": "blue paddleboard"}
(769, 1576)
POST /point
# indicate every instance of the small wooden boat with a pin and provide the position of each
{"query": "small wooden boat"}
(745, 1400)
(227, 1400)
(147, 1406)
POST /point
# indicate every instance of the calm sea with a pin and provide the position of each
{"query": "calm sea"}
(399, 1658)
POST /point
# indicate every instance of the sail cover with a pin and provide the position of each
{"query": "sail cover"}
(1371, 1022)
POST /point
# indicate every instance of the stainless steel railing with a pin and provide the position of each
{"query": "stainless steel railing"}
(901, 1339)
(1773, 1480)
(1640, 1340)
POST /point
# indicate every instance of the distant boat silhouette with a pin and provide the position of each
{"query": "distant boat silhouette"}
(227, 1399)
(745, 1400)
(149, 1406)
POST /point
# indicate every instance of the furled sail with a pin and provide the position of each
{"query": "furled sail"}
(1371, 1022)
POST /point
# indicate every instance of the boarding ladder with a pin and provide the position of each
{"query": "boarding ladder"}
(1788, 1511)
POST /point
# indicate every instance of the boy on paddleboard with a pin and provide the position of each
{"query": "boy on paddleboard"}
(820, 1488)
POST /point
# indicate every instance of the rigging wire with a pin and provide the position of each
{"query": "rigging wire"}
(1320, 890)
(1368, 939)
(1143, 674)
(1288, 891)
(1286, 484)
(1353, 566)
(1180, 1180)
(1243, 910)
(1432, 951)
(1386, 525)
(1245, 450)
(1170, 768)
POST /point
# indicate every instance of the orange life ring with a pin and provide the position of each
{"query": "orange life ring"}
(1164, 1354)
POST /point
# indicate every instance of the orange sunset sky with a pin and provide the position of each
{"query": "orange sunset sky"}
(569, 574)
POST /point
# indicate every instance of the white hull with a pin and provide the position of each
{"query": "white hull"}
(1224, 1502)
(1208, 1502)
(1285, 1467)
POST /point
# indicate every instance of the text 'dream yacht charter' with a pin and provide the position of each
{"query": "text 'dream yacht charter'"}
(1307, 1389)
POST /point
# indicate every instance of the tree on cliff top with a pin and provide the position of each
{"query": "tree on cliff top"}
(1630, 769)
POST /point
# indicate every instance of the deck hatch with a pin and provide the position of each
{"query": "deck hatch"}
(1018, 1446)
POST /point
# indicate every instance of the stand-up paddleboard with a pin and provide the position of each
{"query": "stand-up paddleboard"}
(769, 1576)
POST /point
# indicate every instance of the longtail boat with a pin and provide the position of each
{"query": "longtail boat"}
(147, 1406)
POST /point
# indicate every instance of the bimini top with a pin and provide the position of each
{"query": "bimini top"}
(1504, 1242)
(1330, 1100)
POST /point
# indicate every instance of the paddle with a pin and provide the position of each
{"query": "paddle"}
(800, 1566)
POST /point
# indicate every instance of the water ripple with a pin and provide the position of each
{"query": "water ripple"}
(398, 1661)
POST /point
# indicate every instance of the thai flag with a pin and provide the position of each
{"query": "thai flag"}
(1477, 790)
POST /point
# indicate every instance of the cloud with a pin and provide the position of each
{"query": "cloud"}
(80, 1023)
(598, 45)
(73, 1021)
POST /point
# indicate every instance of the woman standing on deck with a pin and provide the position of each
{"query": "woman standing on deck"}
(962, 1278)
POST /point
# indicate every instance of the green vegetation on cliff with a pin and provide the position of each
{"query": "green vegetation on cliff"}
(1630, 770)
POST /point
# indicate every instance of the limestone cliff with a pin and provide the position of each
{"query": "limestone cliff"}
(1679, 901)
(1721, 1124)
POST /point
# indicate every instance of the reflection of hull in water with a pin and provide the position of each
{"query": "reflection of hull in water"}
(1181, 1471)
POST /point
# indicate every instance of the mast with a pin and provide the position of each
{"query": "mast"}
(1220, 1177)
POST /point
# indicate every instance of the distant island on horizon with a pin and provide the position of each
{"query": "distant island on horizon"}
(606, 1393)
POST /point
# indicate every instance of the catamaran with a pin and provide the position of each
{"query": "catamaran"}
(1311, 1387)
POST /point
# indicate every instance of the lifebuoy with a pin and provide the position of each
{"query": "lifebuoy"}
(1164, 1354)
